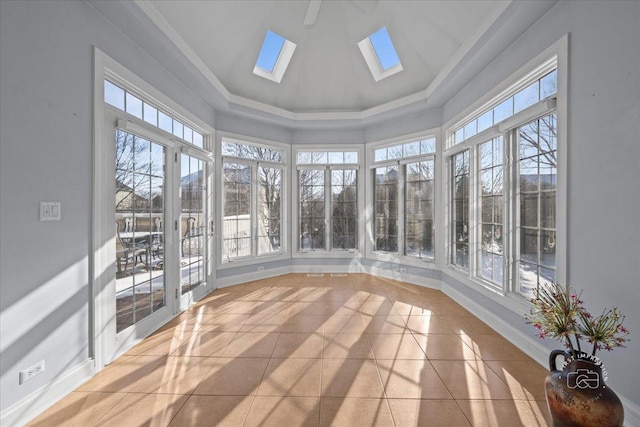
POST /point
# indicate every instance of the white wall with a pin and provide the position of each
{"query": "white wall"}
(603, 156)
(46, 139)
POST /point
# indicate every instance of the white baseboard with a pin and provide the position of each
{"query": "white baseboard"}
(249, 277)
(40, 400)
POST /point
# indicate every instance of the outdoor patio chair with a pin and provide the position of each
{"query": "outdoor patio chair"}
(129, 252)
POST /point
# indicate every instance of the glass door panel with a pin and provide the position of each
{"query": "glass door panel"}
(139, 228)
(193, 231)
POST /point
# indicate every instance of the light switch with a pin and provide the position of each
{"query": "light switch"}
(50, 211)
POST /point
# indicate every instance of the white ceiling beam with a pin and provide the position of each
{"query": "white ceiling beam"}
(312, 12)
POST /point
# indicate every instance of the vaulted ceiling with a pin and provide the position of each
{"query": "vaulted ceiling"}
(327, 72)
(442, 44)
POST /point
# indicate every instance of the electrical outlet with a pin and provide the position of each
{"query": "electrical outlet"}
(403, 270)
(32, 371)
(261, 268)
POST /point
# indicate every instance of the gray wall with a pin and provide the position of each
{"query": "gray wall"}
(46, 81)
(46, 78)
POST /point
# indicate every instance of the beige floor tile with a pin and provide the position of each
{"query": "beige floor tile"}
(299, 345)
(161, 343)
(396, 346)
(507, 413)
(350, 378)
(283, 411)
(415, 379)
(124, 374)
(523, 377)
(296, 350)
(271, 307)
(177, 375)
(205, 343)
(78, 409)
(354, 412)
(304, 323)
(467, 325)
(226, 322)
(219, 411)
(223, 306)
(264, 323)
(391, 324)
(252, 344)
(444, 346)
(292, 377)
(344, 323)
(471, 379)
(233, 377)
(428, 324)
(427, 413)
(144, 410)
(378, 308)
(347, 346)
(494, 347)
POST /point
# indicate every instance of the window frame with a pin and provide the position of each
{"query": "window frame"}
(328, 251)
(554, 57)
(254, 164)
(402, 161)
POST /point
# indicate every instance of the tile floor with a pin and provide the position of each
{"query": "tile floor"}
(295, 350)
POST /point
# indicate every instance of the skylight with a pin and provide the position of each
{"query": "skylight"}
(270, 51)
(274, 57)
(380, 55)
(384, 48)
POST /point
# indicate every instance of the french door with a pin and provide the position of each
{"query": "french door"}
(160, 221)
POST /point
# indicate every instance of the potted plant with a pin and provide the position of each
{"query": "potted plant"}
(576, 391)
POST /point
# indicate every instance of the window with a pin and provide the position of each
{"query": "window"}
(128, 102)
(460, 210)
(539, 90)
(404, 198)
(380, 55)
(491, 200)
(328, 200)
(502, 215)
(386, 208)
(418, 213)
(537, 189)
(274, 57)
(252, 189)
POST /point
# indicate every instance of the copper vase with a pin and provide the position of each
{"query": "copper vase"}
(577, 394)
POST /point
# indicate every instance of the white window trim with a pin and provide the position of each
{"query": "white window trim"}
(284, 252)
(295, 197)
(558, 53)
(400, 257)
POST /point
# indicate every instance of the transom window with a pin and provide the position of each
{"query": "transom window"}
(534, 92)
(126, 101)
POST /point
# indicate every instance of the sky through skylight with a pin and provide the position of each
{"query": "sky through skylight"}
(270, 51)
(384, 48)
